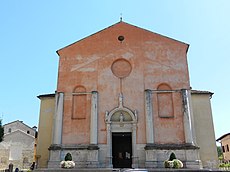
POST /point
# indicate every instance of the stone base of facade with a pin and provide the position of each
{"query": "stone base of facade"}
(156, 154)
(54, 164)
(55, 152)
(149, 155)
(84, 156)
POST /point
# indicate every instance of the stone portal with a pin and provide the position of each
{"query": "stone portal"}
(121, 127)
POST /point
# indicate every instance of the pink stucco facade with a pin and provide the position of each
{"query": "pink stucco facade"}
(154, 60)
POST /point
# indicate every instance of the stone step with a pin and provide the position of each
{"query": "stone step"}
(77, 170)
(120, 170)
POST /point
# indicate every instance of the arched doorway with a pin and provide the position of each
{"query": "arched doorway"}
(121, 137)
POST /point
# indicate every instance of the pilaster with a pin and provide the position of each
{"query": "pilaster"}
(134, 147)
(55, 147)
(94, 118)
(57, 129)
(109, 147)
(149, 117)
(187, 117)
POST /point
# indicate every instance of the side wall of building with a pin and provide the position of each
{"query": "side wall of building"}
(47, 108)
(18, 146)
(204, 130)
(225, 143)
(18, 125)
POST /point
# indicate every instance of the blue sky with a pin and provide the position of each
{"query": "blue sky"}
(32, 31)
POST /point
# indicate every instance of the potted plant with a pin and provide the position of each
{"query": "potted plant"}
(173, 162)
(67, 163)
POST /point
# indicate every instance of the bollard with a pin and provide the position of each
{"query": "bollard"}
(11, 166)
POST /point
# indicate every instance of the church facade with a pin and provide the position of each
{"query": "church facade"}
(124, 100)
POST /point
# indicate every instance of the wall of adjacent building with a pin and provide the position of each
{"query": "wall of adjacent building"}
(18, 125)
(47, 108)
(4, 155)
(225, 142)
(18, 146)
(204, 129)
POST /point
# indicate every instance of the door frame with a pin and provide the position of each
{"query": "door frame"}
(118, 125)
(126, 138)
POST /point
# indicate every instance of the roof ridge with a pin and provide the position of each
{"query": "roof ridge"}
(19, 122)
(220, 138)
(18, 130)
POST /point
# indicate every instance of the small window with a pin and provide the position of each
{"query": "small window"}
(28, 132)
(9, 130)
(223, 149)
(227, 148)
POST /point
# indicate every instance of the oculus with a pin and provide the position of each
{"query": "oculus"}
(121, 68)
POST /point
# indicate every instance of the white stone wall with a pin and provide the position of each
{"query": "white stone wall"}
(4, 155)
(18, 125)
(17, 146)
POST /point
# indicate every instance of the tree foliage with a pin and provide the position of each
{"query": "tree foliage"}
(219, 151)
(1, 131)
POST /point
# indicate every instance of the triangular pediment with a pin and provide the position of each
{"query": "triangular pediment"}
(110, 35)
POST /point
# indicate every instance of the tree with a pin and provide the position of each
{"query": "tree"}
(220, 153)
(1, 131)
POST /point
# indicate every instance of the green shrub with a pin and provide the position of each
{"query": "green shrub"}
(177, 163)
(68, 157)
(172, 156)
(221, 165)
(227, 165)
